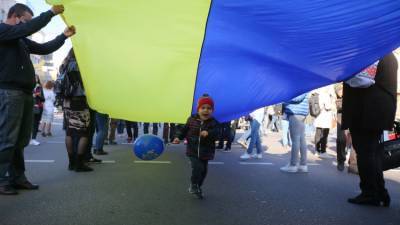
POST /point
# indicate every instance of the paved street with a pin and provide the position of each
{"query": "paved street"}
(125, 191)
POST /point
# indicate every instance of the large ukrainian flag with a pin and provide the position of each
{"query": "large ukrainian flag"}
(149, 60)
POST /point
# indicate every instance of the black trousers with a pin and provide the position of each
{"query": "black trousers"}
(321, 139)
(340, 145)
(132, 125)
(225, 134)
(36, 122)
(199, 170)
(369, 160)
(169, 132)
(92, 131)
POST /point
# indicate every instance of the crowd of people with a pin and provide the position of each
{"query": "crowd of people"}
(360, 113)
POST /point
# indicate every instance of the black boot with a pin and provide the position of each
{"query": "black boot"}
(365, 200)
(81, 166)
(385, 199)
(71, 165)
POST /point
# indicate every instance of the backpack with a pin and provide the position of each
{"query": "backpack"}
(315, 109)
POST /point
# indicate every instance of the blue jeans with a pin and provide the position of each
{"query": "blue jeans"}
(255, 137)
(101, 125)
(16, 118)
(286, 140)
(297, 132)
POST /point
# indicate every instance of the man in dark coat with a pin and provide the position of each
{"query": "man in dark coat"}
(17, 80)
(367, 112)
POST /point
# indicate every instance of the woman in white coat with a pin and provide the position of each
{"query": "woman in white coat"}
(323, 122)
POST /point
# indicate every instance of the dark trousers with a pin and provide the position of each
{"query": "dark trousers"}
(36, 122)
(16, 126)
(340, 145)
(146, 128)
(132, 125)
(199, 170)
(369, 161)
(321, 139)
(225, 134)
(92, 130)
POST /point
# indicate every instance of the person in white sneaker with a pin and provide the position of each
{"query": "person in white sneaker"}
(297, 110)
(256, 119)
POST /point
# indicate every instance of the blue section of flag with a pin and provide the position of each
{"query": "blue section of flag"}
(260, 52)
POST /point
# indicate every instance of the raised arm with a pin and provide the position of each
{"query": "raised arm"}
(45, 48)
(22, 30)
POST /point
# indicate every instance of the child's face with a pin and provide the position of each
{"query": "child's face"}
(205, 112)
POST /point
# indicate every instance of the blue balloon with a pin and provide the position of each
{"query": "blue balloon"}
(148, 147)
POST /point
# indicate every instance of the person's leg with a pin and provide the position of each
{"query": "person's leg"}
(113, 128)
(80, 159)
(324, 139)
(254, 135)
(366, 145)
(294, 128)
(35, 124)
(146, 128)
(11, 123)
(172, 128)
(135, 130)
(17, 173)
(340, 146)
(92, 130)
(318, 137)
(101, 122)
(155, 129)
(128, 126)
(285, 132)
(196, 171)
(220, 136)
(166, 133)
(204, 164)
(303, 143)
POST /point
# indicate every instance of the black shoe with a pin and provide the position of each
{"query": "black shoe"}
(71, 166)
(94, 160)
(83, 168)
(112, 143)
(8, 190)
(220, 147)
(385, 199)
(340, 167)
(26, 186)
(364, 200)
(100, 152)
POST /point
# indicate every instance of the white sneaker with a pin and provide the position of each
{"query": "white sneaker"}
(34, 142)
(289, 169)
(245, 156)
(302, 169)
(325, 156)
(259, 156)
(253, 156)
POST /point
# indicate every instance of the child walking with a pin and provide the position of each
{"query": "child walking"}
(201, 133)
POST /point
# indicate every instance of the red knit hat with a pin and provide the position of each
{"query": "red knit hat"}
(205, 99)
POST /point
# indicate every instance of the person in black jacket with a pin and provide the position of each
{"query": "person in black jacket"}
(367, 112)
(201, 132)
(17, 80)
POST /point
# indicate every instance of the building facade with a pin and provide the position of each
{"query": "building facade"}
(4, 6)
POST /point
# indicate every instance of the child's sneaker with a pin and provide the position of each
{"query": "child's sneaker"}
(193, 189)
(259, 156)
(245, 156)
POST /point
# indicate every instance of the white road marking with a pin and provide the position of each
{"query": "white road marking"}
(216, 163)
(313, 164)
(39, 161)
(108, 161)
(152, 162)
(256, 163)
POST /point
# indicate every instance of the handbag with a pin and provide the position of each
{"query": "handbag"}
(391, 151)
